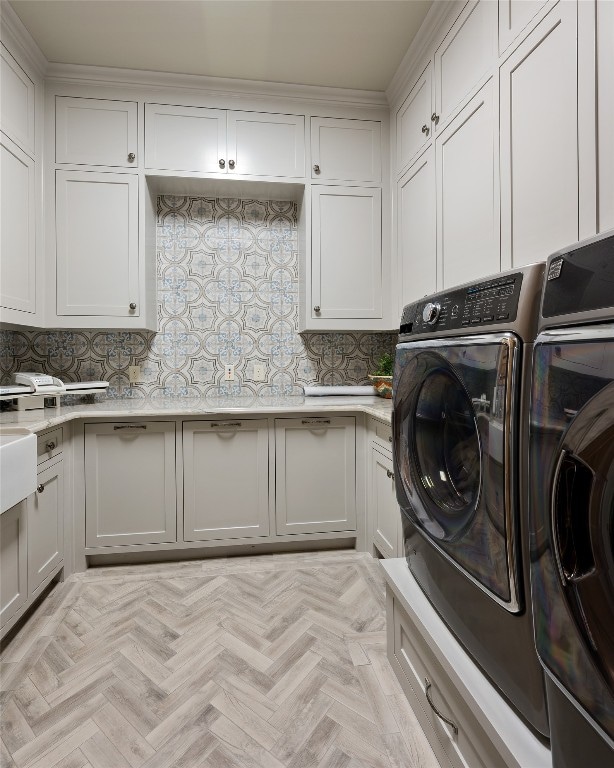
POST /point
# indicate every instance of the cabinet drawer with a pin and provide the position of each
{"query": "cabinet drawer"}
(382, 434)
(469, 745)
(49, 444)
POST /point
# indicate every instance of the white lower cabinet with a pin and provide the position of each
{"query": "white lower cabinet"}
(315, 474)
(383, 506)
(45, 525)
(13, 562)
(130, 483)
(225, 479)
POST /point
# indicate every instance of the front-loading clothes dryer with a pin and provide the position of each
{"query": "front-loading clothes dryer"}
(460, 430)
(572, 501)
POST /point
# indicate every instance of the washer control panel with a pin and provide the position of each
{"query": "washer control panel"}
(493, 302)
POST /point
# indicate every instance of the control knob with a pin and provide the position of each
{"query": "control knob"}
(430, 313)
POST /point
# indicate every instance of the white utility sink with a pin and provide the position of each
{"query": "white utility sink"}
(17, 466)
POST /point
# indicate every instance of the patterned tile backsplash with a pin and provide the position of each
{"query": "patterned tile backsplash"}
(227, 294)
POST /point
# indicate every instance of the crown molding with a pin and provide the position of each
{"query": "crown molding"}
(220, 86)
(419, 48)
(19, 41)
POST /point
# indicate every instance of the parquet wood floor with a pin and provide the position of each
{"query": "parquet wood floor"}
(261, 662)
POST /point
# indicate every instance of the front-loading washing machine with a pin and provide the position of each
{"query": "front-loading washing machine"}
(572, 501)
(460, 440)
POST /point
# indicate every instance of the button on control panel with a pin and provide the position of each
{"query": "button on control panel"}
(487, 303)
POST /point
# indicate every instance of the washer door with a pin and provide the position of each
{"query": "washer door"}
(453, 409)
(582, 534)
(445, 452)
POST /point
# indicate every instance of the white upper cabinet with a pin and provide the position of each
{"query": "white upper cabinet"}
(346, 150)
(414, 119)
(346, 252)
(17, 95)
(417, 232)
(18, 230)
(215, 454)
(514, 15)
(96, 132)
(97, 244)
(262, 144)
(539, 141)
(463, 59)
(605, 115)
(185, 138)
(205, 140)
(466, 156)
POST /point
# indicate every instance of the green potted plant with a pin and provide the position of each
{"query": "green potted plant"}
(382, 377)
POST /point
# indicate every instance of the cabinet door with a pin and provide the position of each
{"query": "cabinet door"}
(260, 144)
(605, 114)
(13, 562)
(464, 58)
(417, 229)
(45, 526)
(17, 213)
(346, 243)
(17, 93)
(97, 243)
(346, 150)
(185, 138)
(130, 491)
(539, 141)
(468, 195)
(315, 475)
(414, 120)
(384, 510)
(226, 479)
(514, 16)
(96, 132)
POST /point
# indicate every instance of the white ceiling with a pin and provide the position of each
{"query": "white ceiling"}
(343, 43)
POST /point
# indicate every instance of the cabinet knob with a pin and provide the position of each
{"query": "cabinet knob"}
(390, 474)
(222, 162)
(131, 157)
(389, 438)
(435, 118)
(50, 446)
(40, 487)
(132, 306)
(426, 130)
(316, 168)
(231, 163)
(316, 308)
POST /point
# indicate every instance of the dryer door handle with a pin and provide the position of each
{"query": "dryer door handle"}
(571, 501)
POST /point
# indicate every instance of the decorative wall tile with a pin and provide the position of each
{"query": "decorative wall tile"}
(227, 277)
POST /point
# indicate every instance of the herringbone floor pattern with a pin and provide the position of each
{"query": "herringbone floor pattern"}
(256, 662)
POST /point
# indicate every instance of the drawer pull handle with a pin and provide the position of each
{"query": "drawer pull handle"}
(50, 445)
(225, 424)
(130, 426)
(40, 487)
(427, 691)
(316, 422)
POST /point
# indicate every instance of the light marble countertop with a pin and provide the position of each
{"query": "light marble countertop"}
(37, 420)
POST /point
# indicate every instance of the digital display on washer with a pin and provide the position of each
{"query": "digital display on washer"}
(482, 304)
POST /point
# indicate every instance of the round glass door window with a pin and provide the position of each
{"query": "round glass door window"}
(446, 452)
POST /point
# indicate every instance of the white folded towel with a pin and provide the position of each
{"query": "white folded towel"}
(339, 390)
